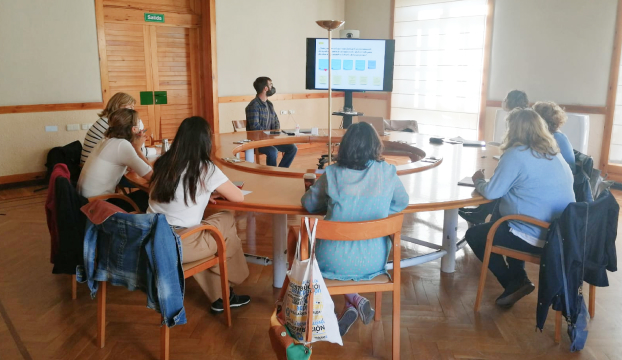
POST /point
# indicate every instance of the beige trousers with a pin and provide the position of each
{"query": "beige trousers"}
(202, 245)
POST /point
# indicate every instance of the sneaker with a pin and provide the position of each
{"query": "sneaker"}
(515, 291)
(234, 302)
(347, 319)
(366, 313)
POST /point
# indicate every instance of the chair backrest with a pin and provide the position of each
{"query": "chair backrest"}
(577, 129)
(355, 231)
(239, 125)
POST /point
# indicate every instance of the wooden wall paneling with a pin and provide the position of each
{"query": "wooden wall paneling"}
(129, 16)
(486, 69)
(175, 6)
(155, 78)
(174, 48)
(194, 71)
(209, 62)
(614, 72)
(101, 45)
(277, 97)
(153, 122)
(18, 109)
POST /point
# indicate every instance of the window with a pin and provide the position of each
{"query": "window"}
(615, 151)
(439, 57)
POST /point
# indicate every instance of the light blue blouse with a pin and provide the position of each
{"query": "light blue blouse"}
(355, 195)
(565, 149)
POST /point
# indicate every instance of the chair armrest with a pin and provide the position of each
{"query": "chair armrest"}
(116, 196)
(216, 234)
(523, 218)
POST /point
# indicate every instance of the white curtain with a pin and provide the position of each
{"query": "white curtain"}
(439, 55)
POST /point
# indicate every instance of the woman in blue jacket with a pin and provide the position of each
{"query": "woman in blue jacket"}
(555, 117)
(531, 179)
(361, 186)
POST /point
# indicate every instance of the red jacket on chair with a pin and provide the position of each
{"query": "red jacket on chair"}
(50, 207)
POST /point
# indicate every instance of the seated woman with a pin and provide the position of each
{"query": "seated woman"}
(531, 179)
(96, 132)
(110, 159)
(184, 181)
(555, 117)
(514, 99)
(359, 187)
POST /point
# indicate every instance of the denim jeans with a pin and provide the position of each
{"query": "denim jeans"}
(289, 152)
(508, 269)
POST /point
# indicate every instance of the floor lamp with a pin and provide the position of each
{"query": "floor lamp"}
(330, 25)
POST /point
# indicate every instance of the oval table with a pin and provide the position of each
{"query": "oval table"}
(430, 177)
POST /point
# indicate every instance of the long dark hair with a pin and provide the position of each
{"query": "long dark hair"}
(360, 144)
(190, 152)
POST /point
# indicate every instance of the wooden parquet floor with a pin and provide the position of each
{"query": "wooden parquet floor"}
(38, 319)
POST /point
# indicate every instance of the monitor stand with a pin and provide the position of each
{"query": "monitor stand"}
(347, 117)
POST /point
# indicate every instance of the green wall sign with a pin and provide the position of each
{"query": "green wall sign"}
(154, 17)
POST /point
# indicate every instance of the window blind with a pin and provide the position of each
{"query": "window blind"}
(439, 55)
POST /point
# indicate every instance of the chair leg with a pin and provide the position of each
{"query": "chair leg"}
(378, 315)
(164, 342)
(482, 279)
(592, 303)
(558, 326)
(396, 322)
(101, 314)
(74, 287)
(224, 283)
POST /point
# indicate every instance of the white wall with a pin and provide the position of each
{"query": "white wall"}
(371, 17)
(557, 50)
(268, 38)
(48, 52)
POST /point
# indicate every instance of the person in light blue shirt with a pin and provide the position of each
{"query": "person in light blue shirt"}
(361, 186)
(555, 117)
(531, 179)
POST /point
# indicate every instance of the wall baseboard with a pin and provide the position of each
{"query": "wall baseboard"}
(20, 178)
(17, 109)
(581, 109)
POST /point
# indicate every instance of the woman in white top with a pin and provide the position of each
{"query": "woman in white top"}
(184, 181)
(110, 159)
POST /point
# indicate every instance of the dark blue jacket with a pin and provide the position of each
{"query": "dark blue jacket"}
(587, 232)
(139, 252)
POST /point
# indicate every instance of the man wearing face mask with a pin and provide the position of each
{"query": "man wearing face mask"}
(260, 115)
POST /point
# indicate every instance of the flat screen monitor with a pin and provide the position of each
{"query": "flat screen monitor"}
(356, 64)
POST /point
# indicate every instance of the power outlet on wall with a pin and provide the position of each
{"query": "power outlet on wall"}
(292, 112)
(283, 112)
(51, 128)
(86, 126)
(73, 127)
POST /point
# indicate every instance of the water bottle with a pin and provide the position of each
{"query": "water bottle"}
(164, 146)
(297, 131)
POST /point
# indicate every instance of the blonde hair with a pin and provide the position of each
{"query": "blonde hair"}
(526, 128)
(515, 99)
(552, 113)
(116, 102)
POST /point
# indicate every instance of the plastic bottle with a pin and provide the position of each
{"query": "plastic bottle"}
(297, 131)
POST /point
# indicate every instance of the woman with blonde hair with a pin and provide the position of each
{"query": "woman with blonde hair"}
(98, 129)
(531, 179)
(555, 117)
(109, 160)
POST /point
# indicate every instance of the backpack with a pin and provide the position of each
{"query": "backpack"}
(68, 155)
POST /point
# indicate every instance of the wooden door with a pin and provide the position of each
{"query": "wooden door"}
(137, 56)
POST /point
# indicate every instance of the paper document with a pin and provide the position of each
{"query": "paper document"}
(469, 142)
(246, 192)
(467, 181)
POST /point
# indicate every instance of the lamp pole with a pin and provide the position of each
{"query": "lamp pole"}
(330, 25)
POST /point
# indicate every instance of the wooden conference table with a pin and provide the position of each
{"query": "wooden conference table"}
(432, 184)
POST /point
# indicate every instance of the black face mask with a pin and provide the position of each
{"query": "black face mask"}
(271, 92)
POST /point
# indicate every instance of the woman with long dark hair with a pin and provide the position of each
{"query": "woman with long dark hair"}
(184, 181)
(361, 186)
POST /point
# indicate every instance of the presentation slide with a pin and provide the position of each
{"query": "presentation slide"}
(355, 65)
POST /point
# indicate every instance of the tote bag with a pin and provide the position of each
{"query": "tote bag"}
(304, 277)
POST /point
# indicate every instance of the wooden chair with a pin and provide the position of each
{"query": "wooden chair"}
(356, 231)
(527, 257)
(240, 125)
(189, 270)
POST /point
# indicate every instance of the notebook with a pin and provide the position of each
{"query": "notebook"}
(467, 181)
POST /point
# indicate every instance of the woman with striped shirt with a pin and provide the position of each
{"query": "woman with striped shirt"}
(99, 128)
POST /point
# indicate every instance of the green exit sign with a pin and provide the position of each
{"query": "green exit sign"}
(154, 17)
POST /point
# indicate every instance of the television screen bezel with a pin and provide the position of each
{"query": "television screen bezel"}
(389, 58)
